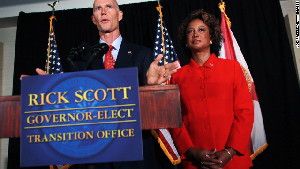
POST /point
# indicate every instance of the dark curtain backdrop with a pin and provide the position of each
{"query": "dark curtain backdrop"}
(258, 26)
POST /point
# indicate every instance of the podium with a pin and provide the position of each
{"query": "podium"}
(159, 106)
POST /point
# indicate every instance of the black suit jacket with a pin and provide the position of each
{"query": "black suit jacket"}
(130, 55)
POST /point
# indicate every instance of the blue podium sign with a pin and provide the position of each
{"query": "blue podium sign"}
(81, 117)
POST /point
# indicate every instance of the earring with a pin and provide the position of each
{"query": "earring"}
(210, 42)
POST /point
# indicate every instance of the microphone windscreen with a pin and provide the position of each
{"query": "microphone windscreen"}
(103, 47)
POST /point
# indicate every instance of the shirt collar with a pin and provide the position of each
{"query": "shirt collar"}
(116, 43)
(209, 63)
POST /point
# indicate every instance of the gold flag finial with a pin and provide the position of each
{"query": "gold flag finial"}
(222, 8)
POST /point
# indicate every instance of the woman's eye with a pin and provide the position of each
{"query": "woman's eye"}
(201, 30)
(189, 31)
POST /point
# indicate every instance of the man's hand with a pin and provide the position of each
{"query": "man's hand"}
(40, 71)
(203, 158)
(22, 76)
(159, 74)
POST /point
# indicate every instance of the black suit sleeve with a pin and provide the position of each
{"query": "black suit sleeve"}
(146, 55)
(132, 55)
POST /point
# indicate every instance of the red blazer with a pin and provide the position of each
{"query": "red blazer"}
(217, 109)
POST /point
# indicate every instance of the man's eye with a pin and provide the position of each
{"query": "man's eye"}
(97, 8)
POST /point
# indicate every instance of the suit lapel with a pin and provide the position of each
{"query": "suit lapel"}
(124, 58)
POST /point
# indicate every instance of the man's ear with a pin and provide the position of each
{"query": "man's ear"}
(93, 19)
(120, 15)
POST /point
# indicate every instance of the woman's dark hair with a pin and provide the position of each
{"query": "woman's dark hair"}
(214, 30)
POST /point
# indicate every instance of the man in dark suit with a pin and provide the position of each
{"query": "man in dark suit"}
(106, 16)
(129, 55)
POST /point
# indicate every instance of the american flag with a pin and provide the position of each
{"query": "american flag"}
(53, 64)
(163, 44)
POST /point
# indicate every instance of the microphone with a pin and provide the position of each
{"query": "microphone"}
(81, 57)
(102, 47)
(96, 50)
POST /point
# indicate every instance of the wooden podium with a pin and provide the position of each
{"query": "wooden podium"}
(159, 106)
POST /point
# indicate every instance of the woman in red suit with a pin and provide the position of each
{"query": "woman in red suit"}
(216, 104)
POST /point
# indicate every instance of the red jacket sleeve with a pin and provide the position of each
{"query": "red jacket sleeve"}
(182, 140)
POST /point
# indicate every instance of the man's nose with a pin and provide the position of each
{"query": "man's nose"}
(103, 11)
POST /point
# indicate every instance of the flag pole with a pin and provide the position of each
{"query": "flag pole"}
(48, 49)
(159, 9)
(258, 136)
(47, 66)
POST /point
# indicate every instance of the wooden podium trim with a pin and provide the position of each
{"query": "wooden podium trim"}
(159, 107)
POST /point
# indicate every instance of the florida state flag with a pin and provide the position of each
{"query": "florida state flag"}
(231, 50)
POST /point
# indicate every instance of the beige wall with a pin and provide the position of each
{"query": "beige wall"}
(3, 142)
(41, 6)
(7, 38)
(289, 13)
(3, 153)
(1, 65)
(7, 57)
